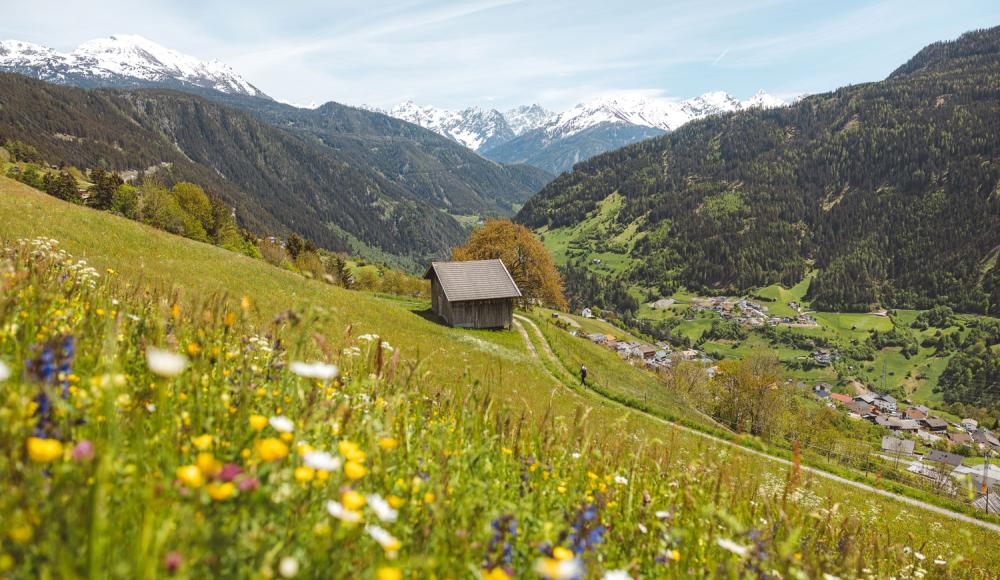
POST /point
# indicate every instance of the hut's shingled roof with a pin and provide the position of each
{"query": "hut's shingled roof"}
(474, 280)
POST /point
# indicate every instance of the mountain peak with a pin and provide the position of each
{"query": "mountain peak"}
(122, 60)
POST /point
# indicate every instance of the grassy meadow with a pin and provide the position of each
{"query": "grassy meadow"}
(159, 418)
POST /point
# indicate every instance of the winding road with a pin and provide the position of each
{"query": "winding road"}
(521, 321)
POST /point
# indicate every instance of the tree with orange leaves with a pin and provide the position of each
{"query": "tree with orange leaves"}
(526, 258)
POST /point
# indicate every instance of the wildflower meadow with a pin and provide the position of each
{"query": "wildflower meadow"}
(144, 434)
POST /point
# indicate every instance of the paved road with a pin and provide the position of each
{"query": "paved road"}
(819, 472)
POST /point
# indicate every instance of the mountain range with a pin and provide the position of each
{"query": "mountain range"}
(347, 178)
(888, 191)
(553, 141)
(122, 60)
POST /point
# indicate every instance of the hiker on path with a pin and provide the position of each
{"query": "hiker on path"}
(583, 374)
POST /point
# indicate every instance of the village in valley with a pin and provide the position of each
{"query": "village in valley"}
(949, 453)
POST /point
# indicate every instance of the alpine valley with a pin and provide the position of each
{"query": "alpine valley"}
(347, 178)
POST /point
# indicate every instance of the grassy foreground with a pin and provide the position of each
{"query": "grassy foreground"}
(137, 483)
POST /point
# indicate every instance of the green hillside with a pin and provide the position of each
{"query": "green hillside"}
(492, 407)
(888, 190)
(344, 178)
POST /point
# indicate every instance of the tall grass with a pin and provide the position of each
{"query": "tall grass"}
(237, 466)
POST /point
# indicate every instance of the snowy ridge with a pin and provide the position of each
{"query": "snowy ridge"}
(480, 129)
(121, 59)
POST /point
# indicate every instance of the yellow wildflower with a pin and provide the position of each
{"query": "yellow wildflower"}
(230, 319)
(388, 573)
(208, 464)
(193, 348)
(495, 574)
(258, 422)
(388, 443)
(351, 451)
(429, 497)
(560, 553)
(395, 501)
(190, 475)
(203, 442)
(220, 491)
(354, 470)
(271, 449)
(21, 534)
(352, 500)
(44, 450)
(304, 474)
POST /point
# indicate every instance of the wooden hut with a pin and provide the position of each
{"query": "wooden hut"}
(473, 294)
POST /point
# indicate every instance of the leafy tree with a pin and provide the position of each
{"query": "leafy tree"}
(527, 260)
(196, 203)
(127, 202)
(62, 186)
(749, 394)
(294, 246)
(102, 193)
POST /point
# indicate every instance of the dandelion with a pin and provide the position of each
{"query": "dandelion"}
(208, 464)
(44, 450)
(381, 507)
(337, 510)
(388, 573)
(220, 491)
(203, 442)
(4, 371)
(429, 498)
(354, 470)
(559, 569)
(165, 363)
(351, 451)
(388, 443)
(258, 422)
(732, 546)
(388, 542)
(321, 461)
(560, 553)
(271, 449)
(288, 567)
(304, 474)
(190, 475)
(317, 370)
(352, 500)
(282, 424)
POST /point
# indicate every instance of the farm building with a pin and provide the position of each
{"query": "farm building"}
(473, 294)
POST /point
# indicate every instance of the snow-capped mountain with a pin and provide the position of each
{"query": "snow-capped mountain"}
(476, 128)
(121, 60)
(612, 121)
(485, 130)
(527, 118)
(655, 112)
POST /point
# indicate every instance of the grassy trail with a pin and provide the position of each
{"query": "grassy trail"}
(550, 354)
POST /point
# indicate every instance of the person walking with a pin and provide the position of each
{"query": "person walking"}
(583, 375)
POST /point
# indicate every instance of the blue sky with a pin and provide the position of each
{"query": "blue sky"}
(499, 53)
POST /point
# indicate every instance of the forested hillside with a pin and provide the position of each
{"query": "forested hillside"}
(438, 170)
(890, 189)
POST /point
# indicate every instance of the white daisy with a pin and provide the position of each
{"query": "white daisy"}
(337, 510)
(282, 424)
(165, 363)
(381, 508)
(322, 461)
(317, 370)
